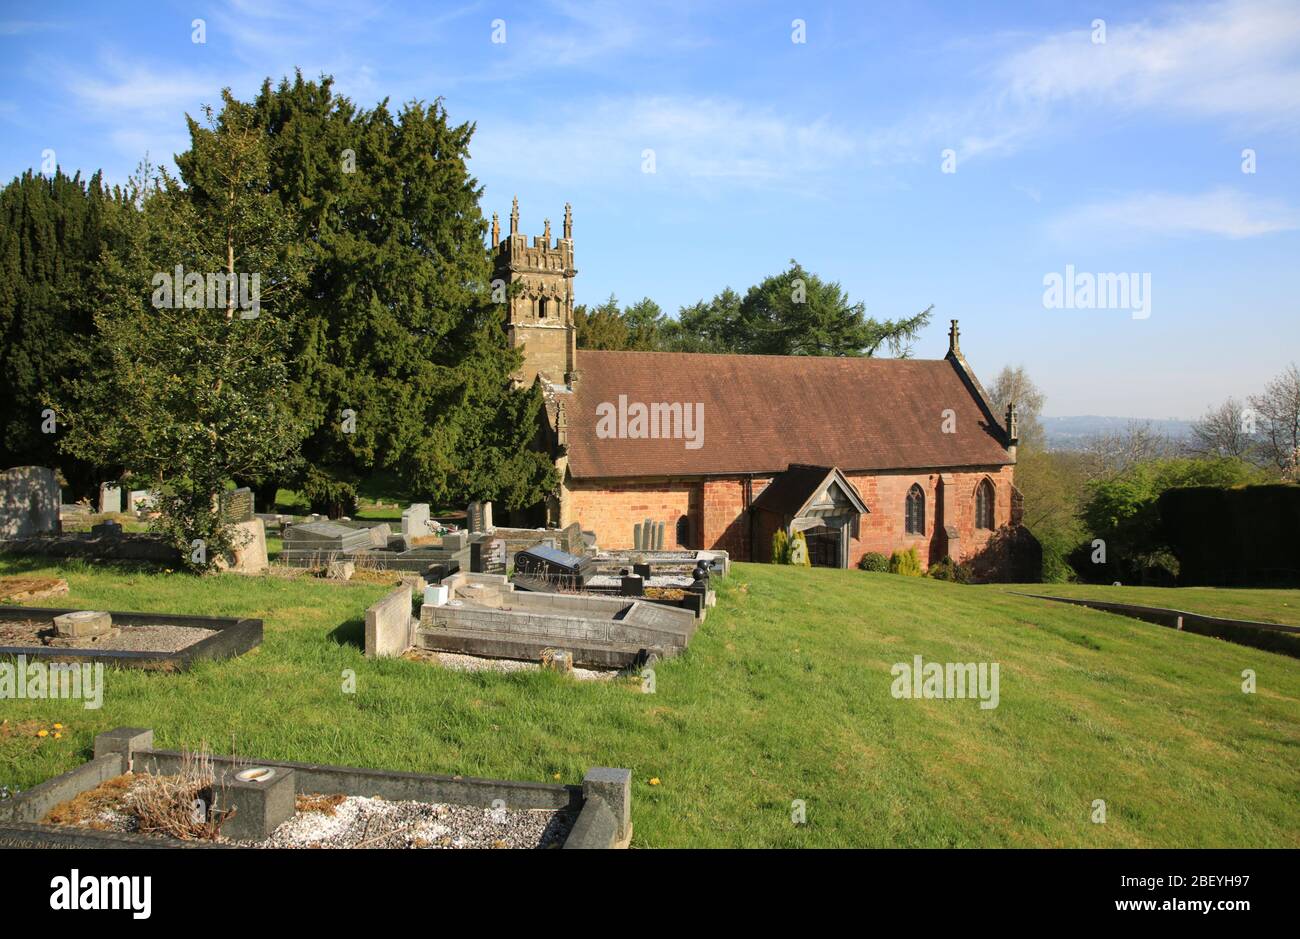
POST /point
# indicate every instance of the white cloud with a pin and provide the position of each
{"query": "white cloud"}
(1238, 59)
(1223, 212)
(708, 141)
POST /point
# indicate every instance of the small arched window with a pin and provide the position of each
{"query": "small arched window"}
(984, 498)
(915, 511)
(541, 308)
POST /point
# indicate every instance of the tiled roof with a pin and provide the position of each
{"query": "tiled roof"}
(763, 413)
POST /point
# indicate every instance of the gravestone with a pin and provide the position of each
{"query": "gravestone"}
(29, 502)
(415, 521)
(110, 498)
(488, 556)
(142, 500)
(237, 505)
(249, 547)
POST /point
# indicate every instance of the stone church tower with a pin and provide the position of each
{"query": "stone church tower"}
(539, 294)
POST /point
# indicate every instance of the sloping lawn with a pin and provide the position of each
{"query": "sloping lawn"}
(1264, 606)
(783, 695)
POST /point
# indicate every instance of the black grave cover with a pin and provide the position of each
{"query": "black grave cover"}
(542, 562)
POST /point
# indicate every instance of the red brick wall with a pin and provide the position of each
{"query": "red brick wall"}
(883, 529)
(716, 509)
(611, 508)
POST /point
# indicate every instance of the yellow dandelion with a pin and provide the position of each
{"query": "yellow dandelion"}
(654, 780)
(557, 775)
(58, 726)
(42, 733)
(57, 735)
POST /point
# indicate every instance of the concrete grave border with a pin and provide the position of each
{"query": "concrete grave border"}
(602, 802)
(233, 638)
(1271, 637)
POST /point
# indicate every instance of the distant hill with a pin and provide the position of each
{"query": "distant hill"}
(1067, 433)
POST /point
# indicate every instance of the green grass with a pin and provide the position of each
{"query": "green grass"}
(784, 694)
(1264, 606)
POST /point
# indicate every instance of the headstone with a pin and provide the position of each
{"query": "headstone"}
(238, 505)
(659, 536)
(29, 502)
(379, 535)
(415, 521)
(636, 537)
(249, 547)
(474, 517)
(632, 585)
(110, 497)
(487, 517)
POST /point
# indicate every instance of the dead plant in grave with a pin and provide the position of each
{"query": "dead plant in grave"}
(179, 805)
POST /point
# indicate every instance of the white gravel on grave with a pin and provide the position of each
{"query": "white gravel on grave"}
(361, 822)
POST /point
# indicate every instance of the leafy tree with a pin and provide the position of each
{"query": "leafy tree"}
(1122, 511)
(190, 387)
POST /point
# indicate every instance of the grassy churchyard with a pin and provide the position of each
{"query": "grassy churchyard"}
(792, 672)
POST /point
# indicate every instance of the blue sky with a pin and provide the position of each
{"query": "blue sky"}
(1122, 156)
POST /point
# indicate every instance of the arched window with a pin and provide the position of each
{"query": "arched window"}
(915, 511)
(984, 498)
(541, 308)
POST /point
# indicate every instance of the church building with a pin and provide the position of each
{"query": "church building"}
(861, 454)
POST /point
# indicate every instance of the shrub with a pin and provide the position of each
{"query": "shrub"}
(951, 571)
(780, 547)
(905, 563)
(874, 561)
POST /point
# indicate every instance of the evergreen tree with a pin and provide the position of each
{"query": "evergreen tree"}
(398, 326)
(797, 313)
(52, 232)
(707, 326)
(601, 328)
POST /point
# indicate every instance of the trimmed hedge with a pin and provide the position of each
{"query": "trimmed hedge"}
(1234, 537)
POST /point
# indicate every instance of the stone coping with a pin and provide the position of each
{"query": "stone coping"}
(1272, 637)
(602, 802)
(233, 637)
